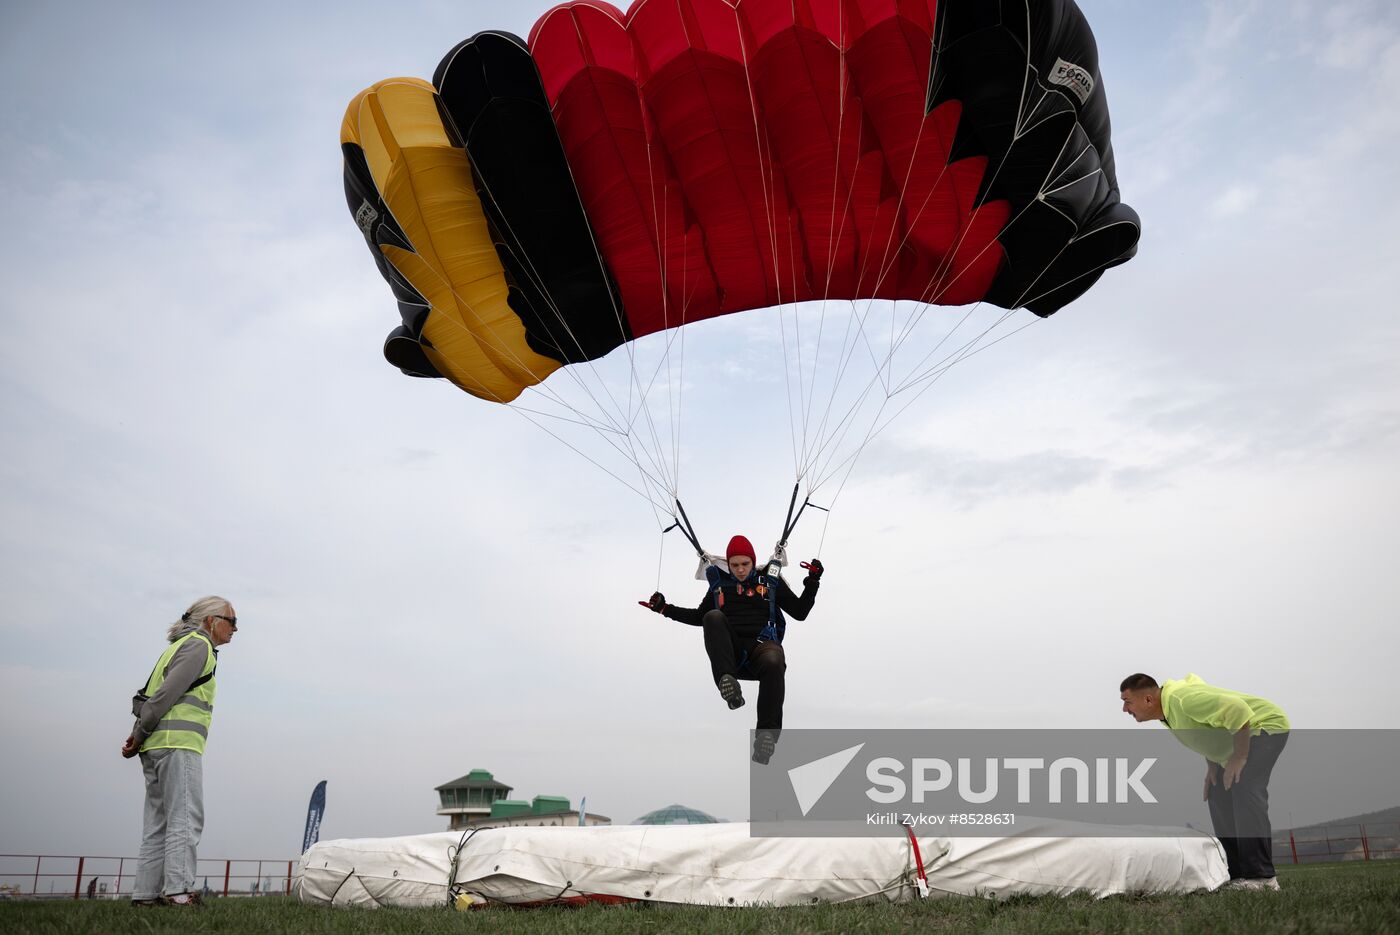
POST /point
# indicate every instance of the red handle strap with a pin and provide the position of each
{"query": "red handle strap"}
(922, 878)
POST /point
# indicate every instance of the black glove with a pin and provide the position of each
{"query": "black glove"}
(814, 569)
(656, 603)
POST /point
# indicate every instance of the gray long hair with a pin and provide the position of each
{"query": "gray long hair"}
(210, 606)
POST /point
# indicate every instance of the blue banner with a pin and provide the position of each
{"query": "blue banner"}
(314, 811)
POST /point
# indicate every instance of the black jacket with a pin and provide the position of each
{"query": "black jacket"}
(746, 604)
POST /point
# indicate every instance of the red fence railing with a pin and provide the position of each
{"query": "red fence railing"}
(1370, 841)
(58, 876)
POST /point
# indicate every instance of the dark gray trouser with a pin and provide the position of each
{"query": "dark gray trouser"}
(769, 669)
(1240, 814)
(172, 824)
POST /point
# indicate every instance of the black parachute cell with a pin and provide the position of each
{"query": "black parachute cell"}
(403, 348)
(1027, 75)
(493, 104)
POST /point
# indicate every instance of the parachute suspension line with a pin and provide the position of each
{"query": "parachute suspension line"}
(656, 453)
(877, 427)
(967, 350)
(653, 454)
(837, 436)
(939, 369)
(606, 433)
(787, 387)
(850, 460)
(943, 340)
(660, 220)
(660, 558)
(845, 356)
(628, 416)
(884, 267)
(542, 288)
(826, 524)
(848, 346)
(641, 493)
(939, 285)
(647, 478)
(766, 173)
(582, 419)
(834, 233)
(846, 423)
(887, 264)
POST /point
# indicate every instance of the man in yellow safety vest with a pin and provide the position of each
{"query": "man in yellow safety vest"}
(173, 710)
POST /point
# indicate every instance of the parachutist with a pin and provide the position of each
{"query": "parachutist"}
(742, 615)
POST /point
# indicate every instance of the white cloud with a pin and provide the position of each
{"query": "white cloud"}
(1352, 38)
(1234, 201)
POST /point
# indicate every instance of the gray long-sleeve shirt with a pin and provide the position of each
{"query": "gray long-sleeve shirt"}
(185, 666)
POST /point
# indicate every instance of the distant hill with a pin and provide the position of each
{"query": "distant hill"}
(1384, 816)
(1340, 838)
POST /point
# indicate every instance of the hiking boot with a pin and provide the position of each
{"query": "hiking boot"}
(764, 743)
(731, 693)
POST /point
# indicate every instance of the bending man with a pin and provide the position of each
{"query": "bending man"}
(1241, 737)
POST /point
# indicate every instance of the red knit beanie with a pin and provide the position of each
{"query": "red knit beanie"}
(740, 546)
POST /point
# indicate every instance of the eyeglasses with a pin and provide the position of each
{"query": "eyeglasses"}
(232, 621)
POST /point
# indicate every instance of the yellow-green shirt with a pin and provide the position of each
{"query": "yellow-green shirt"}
(1206, 718)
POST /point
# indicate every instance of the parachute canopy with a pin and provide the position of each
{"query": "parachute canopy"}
(542, 203)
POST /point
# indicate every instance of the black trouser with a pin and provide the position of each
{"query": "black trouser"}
(725, 650)
(1240, 814)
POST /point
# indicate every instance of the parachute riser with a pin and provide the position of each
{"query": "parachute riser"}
(790, 523)
(682, 522)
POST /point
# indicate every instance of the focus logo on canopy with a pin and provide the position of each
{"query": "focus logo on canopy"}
(1069, 75)
(365, 218)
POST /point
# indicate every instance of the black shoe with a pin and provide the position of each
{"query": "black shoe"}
(764, 743)
(730, 691)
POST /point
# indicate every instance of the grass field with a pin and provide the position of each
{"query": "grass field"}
(1352, 897)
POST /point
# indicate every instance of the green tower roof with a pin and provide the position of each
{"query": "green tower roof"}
(476, 779)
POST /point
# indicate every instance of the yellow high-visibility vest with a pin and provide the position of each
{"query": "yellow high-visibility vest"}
(186, 725)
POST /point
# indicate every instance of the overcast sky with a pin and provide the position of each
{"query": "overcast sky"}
(1192, 469)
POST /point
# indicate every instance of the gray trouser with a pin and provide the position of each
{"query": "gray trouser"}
(173, 822)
